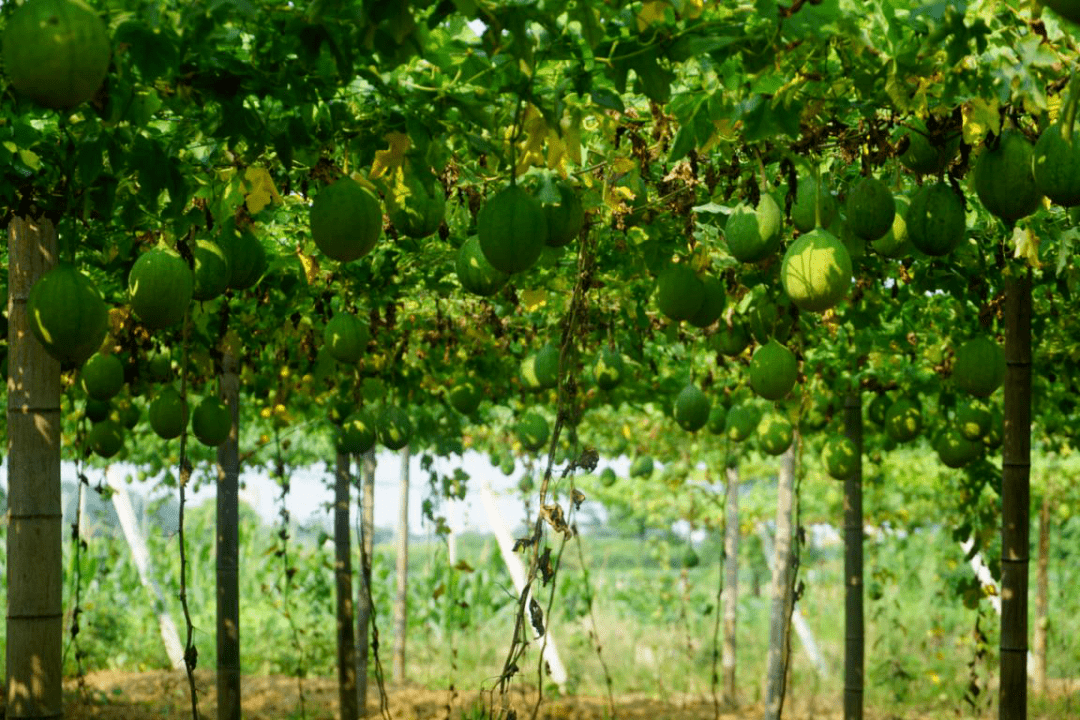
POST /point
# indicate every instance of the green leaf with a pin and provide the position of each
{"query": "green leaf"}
(694, 45)
(605, 97)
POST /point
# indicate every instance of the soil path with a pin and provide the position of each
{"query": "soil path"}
(163, 695)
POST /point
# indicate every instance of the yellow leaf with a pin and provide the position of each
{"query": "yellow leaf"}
(616, 196)
(392, 157)
(622, 165)
(651, 11)
(571, 136)
(1026, 246)
(260, 189)
(692, 9)
(311, 267)
(530, 149)
(533, 299)
(980, 118)
(363, 180)
(556, 154)
(117, 319)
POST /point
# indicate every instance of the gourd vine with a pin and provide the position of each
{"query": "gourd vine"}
(191, 652)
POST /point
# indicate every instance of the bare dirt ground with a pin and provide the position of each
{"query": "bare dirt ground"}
(163, 695)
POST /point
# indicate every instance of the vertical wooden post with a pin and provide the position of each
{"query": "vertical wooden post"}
(228, 544)
(35, 625)
(731, 582)
(363, 601)
(347, 667)
(1015, 498)
(401, 599)
(854, 637)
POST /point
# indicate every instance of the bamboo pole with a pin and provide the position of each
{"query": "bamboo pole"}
(854, 623)
(228, 542)
(347, 662)
(1015, 498)
(35, 624)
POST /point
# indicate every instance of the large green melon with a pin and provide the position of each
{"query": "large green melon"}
(56, 52)
(936, 221)
(816, 271)
(394, 427)
(106, 438)
(1056, 165)
(464, 396)
(532, 431)
(742, 420)
(773, 370)
(973, 418)
(877, 408)
(211, 421)
(608, 368)
(475, 273)
(691, 409)
(417, 206)
(346, 337)
(357, 433)
(97, 410)
(160, 286)
(67, 314)
(979, 366)
(346, 220)
(512, 229)
(245, 255)
(895, 243)
(903, 420)
(870, 209)
(540, 370)
(102, 377)
(955, 450)
(840, 457)
(212, 272)
(680, 293)
(712, 304)
(812, 207)
(1004, 179)
(775, 434)
(566, 218)
(168, 413)
(754, 234)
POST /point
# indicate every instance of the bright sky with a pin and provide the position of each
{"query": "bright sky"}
(311, 492)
